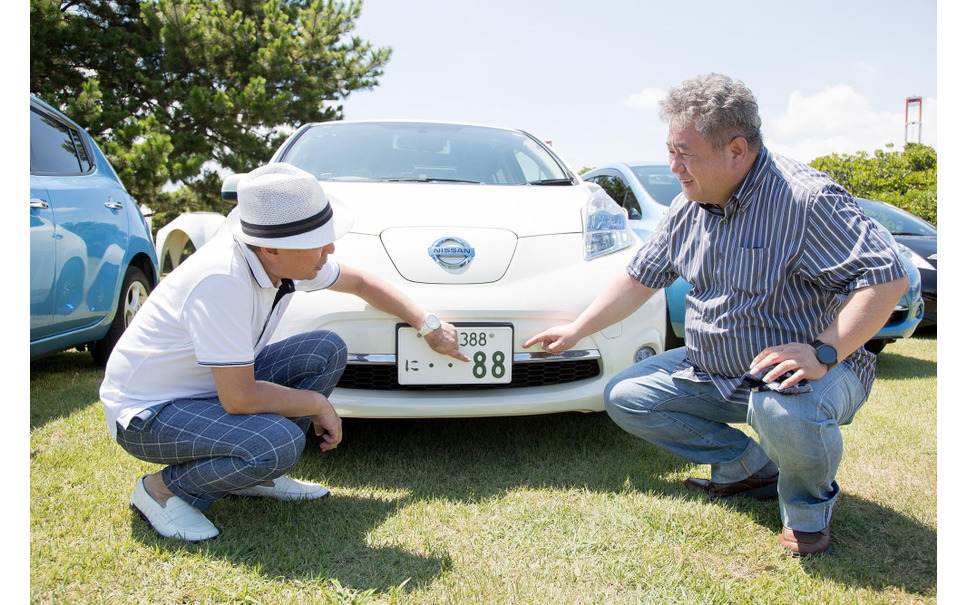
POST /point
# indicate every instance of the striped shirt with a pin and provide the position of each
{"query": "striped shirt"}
(772, 267)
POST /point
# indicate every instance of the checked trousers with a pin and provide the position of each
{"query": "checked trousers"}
(209, 452)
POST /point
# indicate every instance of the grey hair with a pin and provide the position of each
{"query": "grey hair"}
(719, 107)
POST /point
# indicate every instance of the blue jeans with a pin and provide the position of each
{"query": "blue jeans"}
(210, 452)
(799, 435)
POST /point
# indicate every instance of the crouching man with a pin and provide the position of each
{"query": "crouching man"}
(789, 280)
(193, 383)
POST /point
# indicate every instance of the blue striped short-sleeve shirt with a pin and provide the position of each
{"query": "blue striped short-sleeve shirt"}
(774, 266)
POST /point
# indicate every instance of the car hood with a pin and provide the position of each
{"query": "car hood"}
(455, 233)
(525, 210)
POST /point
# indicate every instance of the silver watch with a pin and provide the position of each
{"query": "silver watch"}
(431, 323)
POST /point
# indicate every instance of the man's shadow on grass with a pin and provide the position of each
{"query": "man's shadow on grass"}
(308, 541)
(874, 547)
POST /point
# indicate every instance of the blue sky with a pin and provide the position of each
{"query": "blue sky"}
(829, 76)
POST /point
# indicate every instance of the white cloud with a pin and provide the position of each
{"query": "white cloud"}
(647, 100)
(840, 120)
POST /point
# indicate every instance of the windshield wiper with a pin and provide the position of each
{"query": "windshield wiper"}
(347, 179)
(552, 182)
(430, 180)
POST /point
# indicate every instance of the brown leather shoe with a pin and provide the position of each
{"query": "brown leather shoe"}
(751, 487)
(803, 543)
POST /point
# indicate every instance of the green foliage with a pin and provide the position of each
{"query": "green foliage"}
(174, 89)
(907, 179)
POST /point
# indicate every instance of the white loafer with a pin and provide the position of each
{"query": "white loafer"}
(177, 519)
(285, 488)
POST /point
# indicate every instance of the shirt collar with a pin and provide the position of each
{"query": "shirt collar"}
(744, 194)
(255, 265)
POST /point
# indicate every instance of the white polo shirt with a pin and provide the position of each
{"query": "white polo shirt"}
(212, 311)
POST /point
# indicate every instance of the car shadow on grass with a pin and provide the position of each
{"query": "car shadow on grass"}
(401, 462)
(466, 459)
(470, 460)
(475, 460)
(892, 365)
(61, 384)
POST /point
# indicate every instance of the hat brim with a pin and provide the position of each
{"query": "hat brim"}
(326, 234)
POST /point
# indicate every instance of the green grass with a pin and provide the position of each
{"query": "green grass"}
(542, 509)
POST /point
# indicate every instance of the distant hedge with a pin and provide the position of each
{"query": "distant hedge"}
(907, 179)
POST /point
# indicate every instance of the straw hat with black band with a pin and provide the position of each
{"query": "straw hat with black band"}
(281, 206)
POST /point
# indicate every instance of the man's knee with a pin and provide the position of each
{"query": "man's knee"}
(280, 448)
(636, 388)
(311, 361)
(327, 348)
(630, 401)
(618, 392)
(795, 430)
(291, 454)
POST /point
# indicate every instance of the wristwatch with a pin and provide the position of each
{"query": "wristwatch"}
(826, 354)
(431, 323)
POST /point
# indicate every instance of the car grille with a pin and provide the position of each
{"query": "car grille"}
(897, 317)
(383, 377)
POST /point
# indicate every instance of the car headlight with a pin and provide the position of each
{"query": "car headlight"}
(605, 226)
(918, 260)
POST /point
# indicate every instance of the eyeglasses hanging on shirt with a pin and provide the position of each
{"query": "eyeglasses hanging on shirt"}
(285, 287)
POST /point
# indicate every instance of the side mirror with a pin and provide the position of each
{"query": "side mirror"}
(230, 187)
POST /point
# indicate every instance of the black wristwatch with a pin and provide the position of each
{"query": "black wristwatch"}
(826, 354)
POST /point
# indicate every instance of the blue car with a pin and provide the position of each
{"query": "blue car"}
(92, 261)
(646, 190)
(918, 241)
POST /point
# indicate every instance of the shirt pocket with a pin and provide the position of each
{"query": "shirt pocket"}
(753, 272)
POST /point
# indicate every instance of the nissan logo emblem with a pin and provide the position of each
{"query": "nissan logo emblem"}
(451, 252)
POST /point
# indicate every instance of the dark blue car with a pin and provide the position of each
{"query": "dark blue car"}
(92, 261)
(646, 189)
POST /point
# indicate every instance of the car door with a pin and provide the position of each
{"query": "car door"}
(82, 212)
(43, 254)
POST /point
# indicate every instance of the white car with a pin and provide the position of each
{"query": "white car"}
(487, 228)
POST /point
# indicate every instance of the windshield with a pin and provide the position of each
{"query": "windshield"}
(659, 181)
(897, 221)
(423, 152)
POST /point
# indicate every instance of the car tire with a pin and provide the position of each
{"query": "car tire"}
(134, 292)
(875, 346)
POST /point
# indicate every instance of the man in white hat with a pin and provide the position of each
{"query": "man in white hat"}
(193, 383)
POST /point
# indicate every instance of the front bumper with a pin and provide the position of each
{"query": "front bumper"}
(902, 322)
(572, 382)
(541, 383)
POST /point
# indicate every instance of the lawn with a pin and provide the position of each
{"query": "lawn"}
(541, 509)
